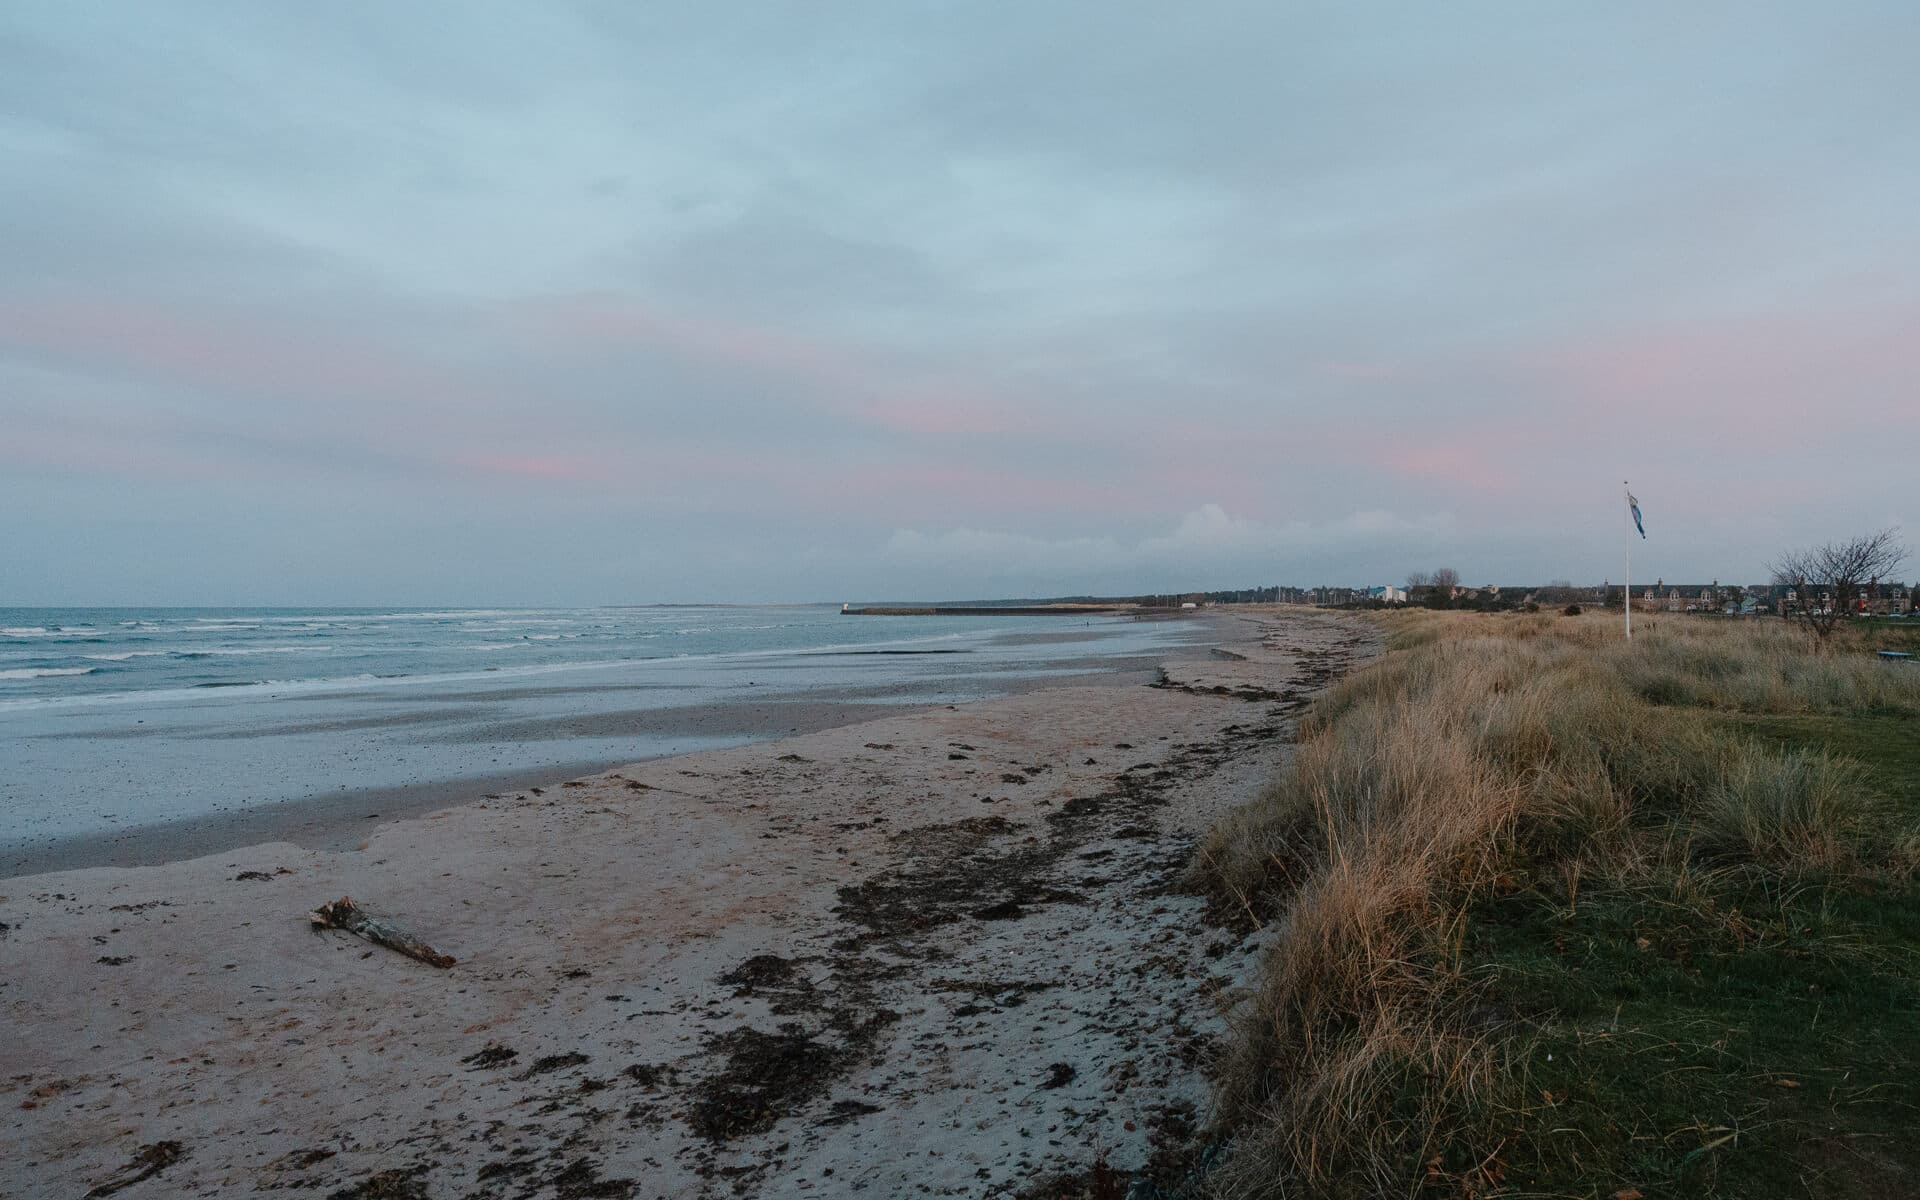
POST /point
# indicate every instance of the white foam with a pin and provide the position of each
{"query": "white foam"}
(77, 633)
(226, 650)
(225, 693)
(43, 672)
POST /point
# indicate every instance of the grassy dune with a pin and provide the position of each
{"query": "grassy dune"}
(1558, 915)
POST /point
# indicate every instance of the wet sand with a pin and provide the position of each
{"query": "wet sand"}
(340, 819)
(935, 952)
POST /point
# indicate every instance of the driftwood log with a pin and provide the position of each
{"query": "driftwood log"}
(345, 914)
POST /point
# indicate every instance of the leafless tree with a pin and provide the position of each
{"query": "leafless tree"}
(1418, 580)
(1445, 580)
(1840, 572)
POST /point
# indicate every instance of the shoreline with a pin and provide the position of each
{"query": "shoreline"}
(341, 819)
(943, 950)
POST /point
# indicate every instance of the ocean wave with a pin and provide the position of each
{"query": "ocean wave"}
(43, 672)
(506, 669)
(72, 633)
(127, 654)
(446, 615)
(225, 651)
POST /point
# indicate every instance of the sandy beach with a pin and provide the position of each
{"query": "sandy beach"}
(936, 952)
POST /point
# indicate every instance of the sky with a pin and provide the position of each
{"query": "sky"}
(578, 303)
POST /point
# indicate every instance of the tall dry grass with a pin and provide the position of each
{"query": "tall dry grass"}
(1479, 745)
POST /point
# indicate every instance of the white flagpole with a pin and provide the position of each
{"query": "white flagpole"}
(1627, 489)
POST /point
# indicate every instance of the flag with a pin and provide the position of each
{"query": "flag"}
(1633, 506)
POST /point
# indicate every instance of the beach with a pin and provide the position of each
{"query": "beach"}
(135, 736)
(939, 950)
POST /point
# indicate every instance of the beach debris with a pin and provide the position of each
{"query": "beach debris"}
(552, 1062)
(844, 1111)
(148, 1161)
(582, 1178)
(767, 972)
(795, 758)
(114, 960)
(493, 1054)
(1006, 910)
(766, 1076)
(300, 1160)
(345, 914)
(1059, 1075)
(399, 1183)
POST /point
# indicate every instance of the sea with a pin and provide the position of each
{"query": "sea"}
(115, 720)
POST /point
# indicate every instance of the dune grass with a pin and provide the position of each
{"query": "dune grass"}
(1556, 914)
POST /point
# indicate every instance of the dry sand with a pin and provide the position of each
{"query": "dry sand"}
(937, 953)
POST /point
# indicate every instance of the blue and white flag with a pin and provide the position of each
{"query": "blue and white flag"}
(1633, 506)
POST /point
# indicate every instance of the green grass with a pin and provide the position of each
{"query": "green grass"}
(1737, 1035)
(1735, 1047)
(1886, 745)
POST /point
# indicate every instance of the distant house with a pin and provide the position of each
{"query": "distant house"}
(1888, 599)
(1388, 594)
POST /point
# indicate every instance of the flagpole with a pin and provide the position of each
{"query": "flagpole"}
(1627, 512)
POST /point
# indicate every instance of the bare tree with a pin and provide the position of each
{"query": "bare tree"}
(1418, 580)
(1829, 579)
(1446, 579)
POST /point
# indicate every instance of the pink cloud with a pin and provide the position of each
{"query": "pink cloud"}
(229, 352)
(102, 452)
(1362, 370)
(944, 487)
(1750, 380)
(571, 468)
(843, 381)
(1481, 465)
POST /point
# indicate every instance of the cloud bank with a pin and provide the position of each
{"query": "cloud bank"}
(590, 303)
